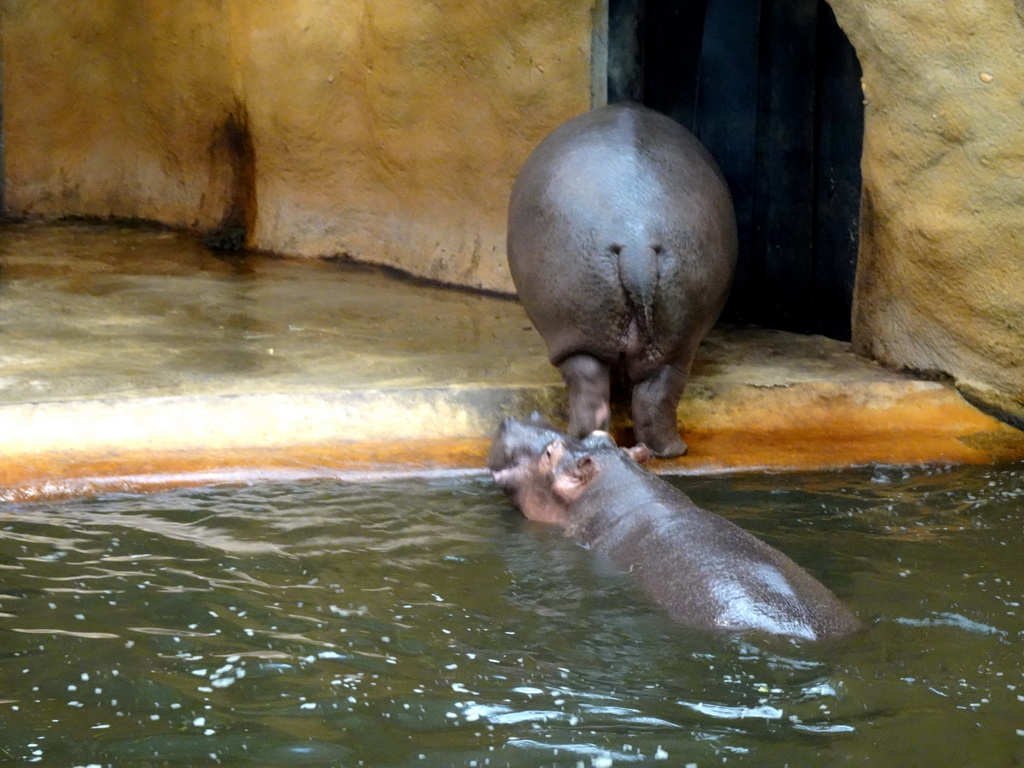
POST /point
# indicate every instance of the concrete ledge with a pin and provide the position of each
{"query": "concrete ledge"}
(242, 422)
(159, 443)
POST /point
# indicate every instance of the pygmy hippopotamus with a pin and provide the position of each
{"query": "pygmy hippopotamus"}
(706, 572)
(622, 247)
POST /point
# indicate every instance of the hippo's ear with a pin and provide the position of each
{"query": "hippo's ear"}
(639, 453)
(571, 482)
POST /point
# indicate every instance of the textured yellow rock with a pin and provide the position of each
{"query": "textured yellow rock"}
(940, 283)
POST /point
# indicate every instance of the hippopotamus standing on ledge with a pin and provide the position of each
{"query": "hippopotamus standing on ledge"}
(622, 247)
(705, 571)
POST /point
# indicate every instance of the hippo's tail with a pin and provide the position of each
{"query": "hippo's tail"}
(639, 272)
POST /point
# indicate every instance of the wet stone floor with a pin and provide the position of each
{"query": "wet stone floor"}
(91, 311)
(121, 346)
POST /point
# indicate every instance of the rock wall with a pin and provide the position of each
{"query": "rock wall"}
(110, 108)
(387, 130)
(940, 276)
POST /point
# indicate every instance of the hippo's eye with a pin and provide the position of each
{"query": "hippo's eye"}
(551, 454)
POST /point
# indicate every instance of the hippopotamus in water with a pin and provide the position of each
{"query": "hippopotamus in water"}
(706, 572)
(622, 247)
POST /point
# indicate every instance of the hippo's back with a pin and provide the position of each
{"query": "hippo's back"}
(620, 216)
(705, 571)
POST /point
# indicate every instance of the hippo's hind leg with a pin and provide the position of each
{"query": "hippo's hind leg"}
(655, 400)
(589, 391)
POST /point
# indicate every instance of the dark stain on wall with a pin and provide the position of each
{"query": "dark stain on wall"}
(234, 146)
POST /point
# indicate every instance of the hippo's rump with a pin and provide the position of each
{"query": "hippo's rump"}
(621, 237)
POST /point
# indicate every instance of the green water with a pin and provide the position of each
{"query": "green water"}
(424, 623)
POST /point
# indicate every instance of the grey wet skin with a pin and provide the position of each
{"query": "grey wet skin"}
(622, 247)
(706, 572)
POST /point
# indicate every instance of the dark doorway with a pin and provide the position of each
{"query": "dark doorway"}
(772, 88)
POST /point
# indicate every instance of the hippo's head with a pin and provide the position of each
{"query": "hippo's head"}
(543, 470)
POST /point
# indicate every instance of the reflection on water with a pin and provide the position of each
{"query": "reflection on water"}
(424, 623)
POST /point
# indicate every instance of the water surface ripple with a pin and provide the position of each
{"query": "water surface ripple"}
(425, 623)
